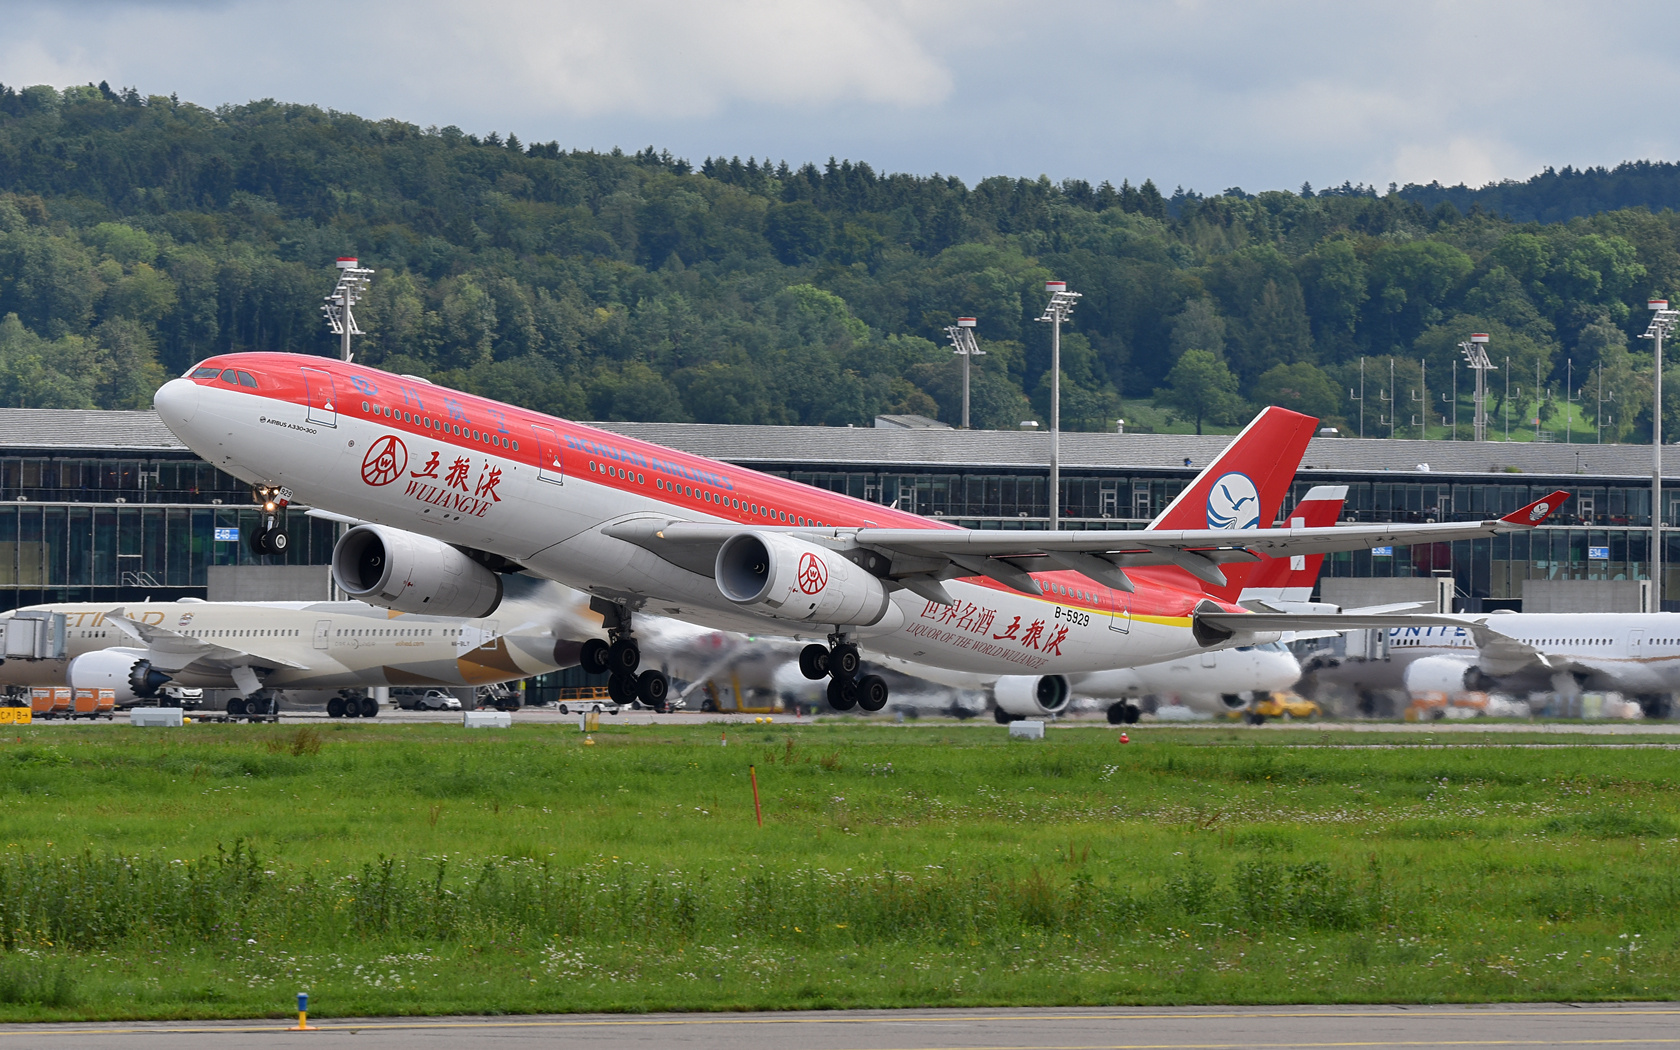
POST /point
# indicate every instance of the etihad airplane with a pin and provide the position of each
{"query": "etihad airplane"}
(1637, 654)
(137, 649)
(464, 489)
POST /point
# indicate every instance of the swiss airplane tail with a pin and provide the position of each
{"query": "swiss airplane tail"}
(1244, 487)
(1291, 579)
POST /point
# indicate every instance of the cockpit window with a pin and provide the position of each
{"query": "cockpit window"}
(230, 376)
(206, 373)
(247, 379)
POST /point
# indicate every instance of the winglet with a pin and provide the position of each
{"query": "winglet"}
(1536, 512)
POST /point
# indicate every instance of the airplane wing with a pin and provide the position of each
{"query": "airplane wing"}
(172, 650)
(919, 559)
(1497, 653)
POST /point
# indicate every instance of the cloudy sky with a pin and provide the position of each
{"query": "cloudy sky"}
(1206, 95)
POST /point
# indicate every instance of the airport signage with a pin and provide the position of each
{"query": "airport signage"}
(1598, 553)
(225, 535)
(1382, 552)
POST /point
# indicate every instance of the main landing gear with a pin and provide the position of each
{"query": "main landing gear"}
(619, 658)
(839, 663)
(1124, 713)
(351, 704)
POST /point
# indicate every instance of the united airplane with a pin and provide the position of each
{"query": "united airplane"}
(462, 489)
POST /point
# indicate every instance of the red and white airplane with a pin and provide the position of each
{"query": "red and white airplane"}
(461, 488)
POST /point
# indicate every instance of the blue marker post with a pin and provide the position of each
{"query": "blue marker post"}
(303, 1013)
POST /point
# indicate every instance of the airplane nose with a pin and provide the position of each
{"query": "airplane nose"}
(175, 402)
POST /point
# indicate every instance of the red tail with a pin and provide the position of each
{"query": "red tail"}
(1291, 579)
(1244, 487)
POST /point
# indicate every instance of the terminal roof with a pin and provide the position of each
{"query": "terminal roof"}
(69, 431)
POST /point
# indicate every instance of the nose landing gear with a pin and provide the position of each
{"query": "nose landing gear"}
(620, 657)
(839, 662)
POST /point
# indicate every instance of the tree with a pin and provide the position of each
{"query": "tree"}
(1301, 388)
(1199, 388)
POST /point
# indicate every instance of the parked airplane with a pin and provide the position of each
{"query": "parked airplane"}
(1637, 654)
(137, 649)
(466, 488)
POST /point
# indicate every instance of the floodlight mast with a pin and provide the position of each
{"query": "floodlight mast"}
(1662, 322)
(1059, 309)
(1475, 355)
(962, 337)
(353, 281)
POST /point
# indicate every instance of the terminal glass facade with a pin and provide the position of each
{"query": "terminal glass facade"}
(127, 528)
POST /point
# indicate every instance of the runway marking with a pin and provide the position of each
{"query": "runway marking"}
(655, 1022)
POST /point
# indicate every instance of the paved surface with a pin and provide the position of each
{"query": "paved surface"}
(1182, 1028)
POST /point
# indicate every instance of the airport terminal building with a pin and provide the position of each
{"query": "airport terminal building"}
(98, 506)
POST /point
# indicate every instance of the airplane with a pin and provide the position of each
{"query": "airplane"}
(463, 489)
(1637, 654)
(141, 650)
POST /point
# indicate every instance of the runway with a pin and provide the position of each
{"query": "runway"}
(1171, 1028)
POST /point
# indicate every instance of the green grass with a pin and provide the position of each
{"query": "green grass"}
(217, 870)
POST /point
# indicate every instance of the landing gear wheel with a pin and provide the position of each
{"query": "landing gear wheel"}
(1001, 716)
(872, 692)
(652, 688)
(370, 707)
(259, 542)
(813, 662)
(236, 707)
(352, 707)
(1254, 720)
(624, 656)
(593, 657)
(335, 707)
(622, 689)
(842, 694)
(278, 541)
(1132, 714)
(843, 661)
(1117, 714)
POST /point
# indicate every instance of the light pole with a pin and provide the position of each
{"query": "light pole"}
(1662, 322)
(962, 337)
(352, 284)
(1475, 355)
(1059, 309)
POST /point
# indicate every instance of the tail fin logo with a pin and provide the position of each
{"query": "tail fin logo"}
(1233, 503)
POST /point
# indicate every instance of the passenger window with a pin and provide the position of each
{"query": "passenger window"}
(247, 379)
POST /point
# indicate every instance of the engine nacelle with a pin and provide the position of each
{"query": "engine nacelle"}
(1439, 674)
(788, 578)
(1032, 696)
(412, 573)
(126, 672)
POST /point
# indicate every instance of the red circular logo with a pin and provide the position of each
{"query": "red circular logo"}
(813, 574)
(385, 461)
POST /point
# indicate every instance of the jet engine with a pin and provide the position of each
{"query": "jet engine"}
(1032, 696)
(778, 575)
(126, 672)
(414, 574)
(1439, 674)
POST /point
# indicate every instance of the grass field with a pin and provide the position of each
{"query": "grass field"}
(217, 870)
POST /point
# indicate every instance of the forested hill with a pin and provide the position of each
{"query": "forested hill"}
(140, 234)
(1572, 193)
